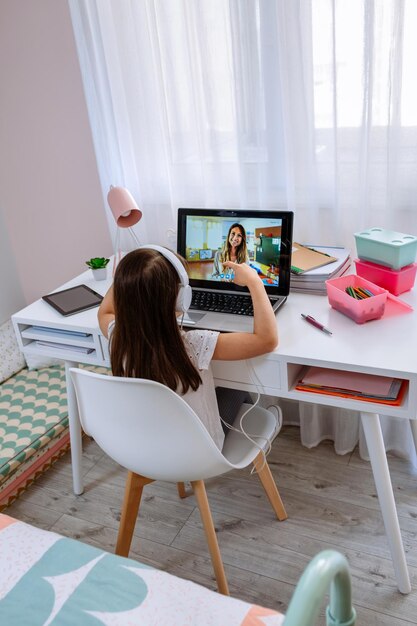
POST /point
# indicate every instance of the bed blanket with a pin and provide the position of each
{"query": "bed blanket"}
(48, 579)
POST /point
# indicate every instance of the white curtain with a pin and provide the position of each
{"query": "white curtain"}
(318, 423)
(305, 105)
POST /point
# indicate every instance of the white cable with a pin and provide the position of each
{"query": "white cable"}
(241, 430)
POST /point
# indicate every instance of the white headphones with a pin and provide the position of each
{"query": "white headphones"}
(185, 291)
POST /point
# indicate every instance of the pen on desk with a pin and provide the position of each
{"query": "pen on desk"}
(315, 323)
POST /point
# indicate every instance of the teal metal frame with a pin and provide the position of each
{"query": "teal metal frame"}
(328, 569)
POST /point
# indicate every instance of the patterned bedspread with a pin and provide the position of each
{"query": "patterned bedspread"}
(48, 579)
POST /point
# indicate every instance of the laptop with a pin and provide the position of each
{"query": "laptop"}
(205, 237)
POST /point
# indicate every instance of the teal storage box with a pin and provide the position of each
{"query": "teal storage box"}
(386, 247)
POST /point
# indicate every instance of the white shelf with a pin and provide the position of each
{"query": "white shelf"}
(69, 345)
(63, 354)
(57, 337)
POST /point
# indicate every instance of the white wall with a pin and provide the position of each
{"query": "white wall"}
(50, 195)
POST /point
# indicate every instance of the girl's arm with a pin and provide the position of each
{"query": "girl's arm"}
(217, 269)
(235, 346)
(106, 312)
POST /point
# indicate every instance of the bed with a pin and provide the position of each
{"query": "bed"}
(49, 579)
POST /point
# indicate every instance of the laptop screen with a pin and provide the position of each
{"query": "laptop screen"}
(263, 239)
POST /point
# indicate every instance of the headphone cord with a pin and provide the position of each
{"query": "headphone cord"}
(241, 430)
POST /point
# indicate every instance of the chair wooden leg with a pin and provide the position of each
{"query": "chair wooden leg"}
(133, 493)
(270, 487)
(181, 490)
(216, 558)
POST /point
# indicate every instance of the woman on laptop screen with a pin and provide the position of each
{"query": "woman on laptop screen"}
(139, 316)
(234, 249)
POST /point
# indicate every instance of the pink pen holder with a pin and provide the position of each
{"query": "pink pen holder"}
(360, 311)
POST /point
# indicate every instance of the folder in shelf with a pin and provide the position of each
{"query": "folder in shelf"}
(354, 385)
(352, 381)
(59, 331)
(352, 396)
(65, 346)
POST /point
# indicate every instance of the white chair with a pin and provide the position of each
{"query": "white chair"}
(152, 432)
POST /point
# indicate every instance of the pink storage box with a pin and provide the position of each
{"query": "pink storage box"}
(360, 311)
(396, 281)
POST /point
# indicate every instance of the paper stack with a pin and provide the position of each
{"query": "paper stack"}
(314, 280)
(354, 385)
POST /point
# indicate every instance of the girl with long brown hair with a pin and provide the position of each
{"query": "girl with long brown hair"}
(138, 315)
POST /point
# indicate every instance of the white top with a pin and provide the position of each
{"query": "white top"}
(200, 346)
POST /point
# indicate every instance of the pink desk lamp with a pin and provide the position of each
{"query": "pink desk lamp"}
(126, 214)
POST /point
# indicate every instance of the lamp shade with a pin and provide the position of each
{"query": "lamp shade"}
(123, 206)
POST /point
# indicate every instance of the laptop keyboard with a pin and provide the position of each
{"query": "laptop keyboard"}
(222, 302)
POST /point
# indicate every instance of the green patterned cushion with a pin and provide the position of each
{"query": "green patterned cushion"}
(33, 411)
(33, 426)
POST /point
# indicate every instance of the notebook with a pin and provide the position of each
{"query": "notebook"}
(202, 237)
(304, 259)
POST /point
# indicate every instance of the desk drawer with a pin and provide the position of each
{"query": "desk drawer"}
(262, 371)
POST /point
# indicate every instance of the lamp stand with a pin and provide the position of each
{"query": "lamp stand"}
(116, 245)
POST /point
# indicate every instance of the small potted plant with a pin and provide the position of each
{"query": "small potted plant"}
(98, 266)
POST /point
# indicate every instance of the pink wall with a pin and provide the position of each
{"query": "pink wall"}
(50, 194)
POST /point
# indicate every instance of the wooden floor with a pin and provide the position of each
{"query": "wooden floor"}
(330, 500)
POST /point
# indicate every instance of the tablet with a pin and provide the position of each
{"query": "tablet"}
(73, 300)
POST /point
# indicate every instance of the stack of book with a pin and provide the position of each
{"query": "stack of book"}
(354, 385)
(311, 266)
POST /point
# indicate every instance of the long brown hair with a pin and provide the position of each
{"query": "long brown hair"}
(146, 341)
(242, 251)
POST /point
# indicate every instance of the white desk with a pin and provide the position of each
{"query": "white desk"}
(386, 347)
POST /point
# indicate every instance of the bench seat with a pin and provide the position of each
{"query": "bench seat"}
(33, 417)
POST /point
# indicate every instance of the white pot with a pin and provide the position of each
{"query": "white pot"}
(100, 274)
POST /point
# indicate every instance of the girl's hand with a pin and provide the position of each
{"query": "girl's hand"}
(244, 276)
(264, 338)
